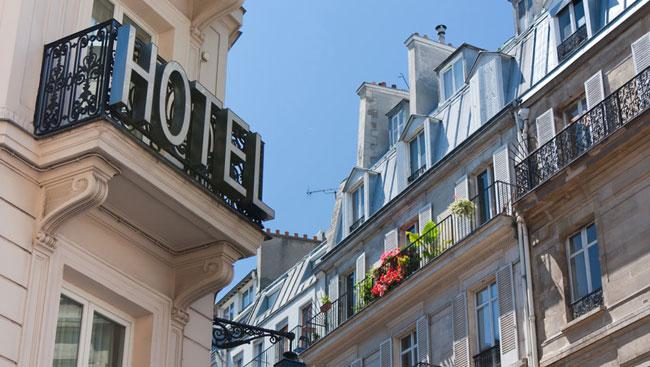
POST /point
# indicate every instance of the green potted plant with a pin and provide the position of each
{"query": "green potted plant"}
(428, 240)
(326, 303)
(462, 207)
(314, 337)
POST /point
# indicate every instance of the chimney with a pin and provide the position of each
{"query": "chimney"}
(441, 29)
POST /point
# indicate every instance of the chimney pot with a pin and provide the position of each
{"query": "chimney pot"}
(393, 86)
(295, 234)
(268, 230)
(373, 83)
(316, 238)
(286, 233)
(425, 36)
(304, 236)
(277, 231)
(383, 84)
(441, 29)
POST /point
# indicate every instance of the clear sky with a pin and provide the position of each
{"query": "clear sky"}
(293, 76)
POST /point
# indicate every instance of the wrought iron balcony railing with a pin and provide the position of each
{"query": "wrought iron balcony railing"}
(422, 364)
(428, 247)
(416, 174)
(607, 117)
(586, 303)
(572, 43)
(74, 89)
(357, 223)
(488, 358)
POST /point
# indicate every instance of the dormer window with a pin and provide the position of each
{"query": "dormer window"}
(247, 297)
(358, 208)
(396, 126)
(571, 23)
(229, 311)
(524, 14)
(417, 149)
(453, 78)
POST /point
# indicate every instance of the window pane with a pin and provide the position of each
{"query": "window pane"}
(564, 18)
(413, 146)
(579, 276)
(140, 33)
(591, 233)
(521, 14)
(423, 153)
(482, 297)
(579, 13)
(406, 343)
(447, 80)
(102, 11)
(495, 317)
(68, 327)
(459, 78)
(594, 267)
(406, 360)
(575, 243)
(484, 331)
(107, 342)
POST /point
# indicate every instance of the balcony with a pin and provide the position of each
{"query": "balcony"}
(586, 303)
(488, 358)
(572, 43)
(416, 174)
(416, 255)
(75, 88)
(607, 117)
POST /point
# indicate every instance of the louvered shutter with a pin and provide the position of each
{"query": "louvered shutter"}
(501, 164)
(386, 353)
(422, 331)
(357, 363)
(462, 224)
(594, 90)
(333, 291)
(459, 326)
(424, 217)
(360, 270)
(390, 240)
(545, 127)
(333, 313)
(641, 53)
(507, 316)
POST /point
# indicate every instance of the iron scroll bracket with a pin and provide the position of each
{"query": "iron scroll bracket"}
(228, 334)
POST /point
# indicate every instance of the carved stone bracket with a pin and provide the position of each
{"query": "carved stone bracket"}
(180, 315)
(197, 35)
(68, 191)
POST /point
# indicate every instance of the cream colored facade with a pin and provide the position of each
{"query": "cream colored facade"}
(90, 214)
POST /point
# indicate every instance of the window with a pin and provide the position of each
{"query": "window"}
(395, 128)
(571, 18)
(258, 352)
(487, 317)
(349, 294)
(453, 78)
(358, 208)
(247, 297)
(237, 361)
(104, 10)
(87, 335)
(229, 312)
(575, 110)
(524, 14)
(584, 263)
(417, 155)
(307, 330)
(484, 190)
(283, 344)
(413, 228)
(408, 350)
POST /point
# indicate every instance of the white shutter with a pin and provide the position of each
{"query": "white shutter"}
(641, 53)
(424, 217)
(422, 331)
(545, 127)
(462, 188)
(360, 270)
(333, 291)
(459, 326)
(507, 316)
(357, 363)
(386, 353)
(390, 240)
(501, 164)
(462, 224)
(594, 90)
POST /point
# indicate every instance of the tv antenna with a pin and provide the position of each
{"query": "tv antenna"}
(324, 191)
(401, 75)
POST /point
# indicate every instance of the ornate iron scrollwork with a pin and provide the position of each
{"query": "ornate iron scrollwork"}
(228, 334)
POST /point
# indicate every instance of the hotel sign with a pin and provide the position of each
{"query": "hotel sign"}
(183, 116)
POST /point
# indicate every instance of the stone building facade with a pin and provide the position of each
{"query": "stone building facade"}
(115, 236)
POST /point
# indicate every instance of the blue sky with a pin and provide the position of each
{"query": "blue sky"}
(293, 76)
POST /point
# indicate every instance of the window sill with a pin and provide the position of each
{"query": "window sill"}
(584, 318)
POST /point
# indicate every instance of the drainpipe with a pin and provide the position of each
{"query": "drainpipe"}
(529, 308)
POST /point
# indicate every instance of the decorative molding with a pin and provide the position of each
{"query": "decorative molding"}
(197, 35)
(215, 10)
(46, 240)
(180, 315)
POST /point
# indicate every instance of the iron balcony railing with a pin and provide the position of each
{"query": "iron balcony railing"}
(75, 87)
(572, 43)
(488, 358)
(422, 364)
(494, 200)
(586, 303)
(357, 223)
(263, 359)
(418, 172)
(607, 117)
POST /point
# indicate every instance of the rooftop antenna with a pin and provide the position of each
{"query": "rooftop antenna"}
(401, 75)
(324, 191)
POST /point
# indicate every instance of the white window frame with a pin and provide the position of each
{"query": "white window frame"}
(528, 16)
(584, 251)
(489, 304)
(90, 305)
(120, 9)
(229, 310)
(257, 346)
(358, 193)
(416, 140)
(248, 293)
(491, 199)
(450, 67)
(396, 123)
(413, 349)
(238, 358)
(572, 16)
